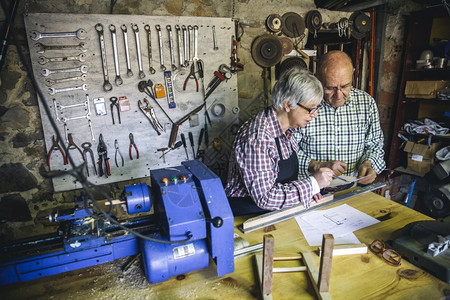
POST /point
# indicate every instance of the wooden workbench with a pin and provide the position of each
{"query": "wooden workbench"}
(364, 276)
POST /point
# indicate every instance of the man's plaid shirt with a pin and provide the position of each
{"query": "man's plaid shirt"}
(351, 133)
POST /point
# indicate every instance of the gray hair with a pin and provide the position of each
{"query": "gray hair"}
(296, 86)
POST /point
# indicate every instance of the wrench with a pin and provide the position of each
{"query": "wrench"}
(107, 86)
(83, 69)
(36, 35)
(53, 91)
(55, 107)
(171, 47)
(185, 44)
(195, 42)
(214, 38)
(161, 54)
(43, 60)
(149, 43)
(190, 28)
(127, 52)
(42, 47)
(118, 80)
(180, 52)
(138, 50)
(50, 82)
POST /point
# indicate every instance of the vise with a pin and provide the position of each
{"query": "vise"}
(191, 222)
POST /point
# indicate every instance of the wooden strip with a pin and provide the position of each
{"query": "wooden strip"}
(296, 257)
(267, 275)
(325, 262)
(289, 269)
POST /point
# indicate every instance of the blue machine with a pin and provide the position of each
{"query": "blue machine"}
(192, 221)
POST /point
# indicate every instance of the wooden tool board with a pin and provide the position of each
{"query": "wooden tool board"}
(222, 104)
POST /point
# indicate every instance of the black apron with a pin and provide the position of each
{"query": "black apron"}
(288, 171)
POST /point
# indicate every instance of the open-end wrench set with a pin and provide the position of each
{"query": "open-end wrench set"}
(169, 73)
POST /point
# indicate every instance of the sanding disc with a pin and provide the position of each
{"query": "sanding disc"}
(287, 45)
(274, 23)
(267, 50)
(293, 24)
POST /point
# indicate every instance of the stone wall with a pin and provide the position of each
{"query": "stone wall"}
(26, 195)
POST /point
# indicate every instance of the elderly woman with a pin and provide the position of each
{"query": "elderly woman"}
(263, 170)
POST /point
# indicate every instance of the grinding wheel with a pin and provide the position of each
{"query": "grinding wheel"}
(293, 62)
(313, 21)
(294, 25)
(267, 50)
(360, 24)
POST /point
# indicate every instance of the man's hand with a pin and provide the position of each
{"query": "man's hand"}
(338, 167)
(323, 177)
(366, 170)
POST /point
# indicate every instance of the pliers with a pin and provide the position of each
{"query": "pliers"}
(131, 147)
(150, 113)
(87, 149)
(116, 145)
(56, 146)
(191, 76)
(72, 146)
(103, 158)
(114, 102)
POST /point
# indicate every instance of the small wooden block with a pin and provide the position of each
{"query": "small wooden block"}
(267, 275)
(325, 262)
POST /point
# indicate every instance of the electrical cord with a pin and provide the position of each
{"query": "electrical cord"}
(77, 171)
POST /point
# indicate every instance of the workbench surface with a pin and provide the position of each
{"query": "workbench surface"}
(360, 276)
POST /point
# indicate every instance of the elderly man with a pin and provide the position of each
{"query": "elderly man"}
(346, 136)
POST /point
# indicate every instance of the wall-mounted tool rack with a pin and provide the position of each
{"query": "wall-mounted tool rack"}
(81, 72)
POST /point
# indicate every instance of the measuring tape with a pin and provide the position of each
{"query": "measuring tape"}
(169, 88)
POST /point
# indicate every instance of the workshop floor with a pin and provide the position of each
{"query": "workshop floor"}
(108, 282)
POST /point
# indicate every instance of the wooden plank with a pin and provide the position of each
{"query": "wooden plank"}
(347, 249)
(275, 216)
(325, 262)
(267, 275)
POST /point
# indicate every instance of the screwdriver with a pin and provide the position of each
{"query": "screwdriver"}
(183, 140)
(200, 138)
(176, 146)
(200, 75)
(191, 140)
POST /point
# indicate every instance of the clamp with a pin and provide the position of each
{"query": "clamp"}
(87, 149)
(114, 102)
(55, 146)
(103, 157)
(116, 145)
(131, 147)
(191, 75)
(72, 146)
(150, 113)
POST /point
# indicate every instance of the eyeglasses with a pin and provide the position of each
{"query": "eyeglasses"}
(390, 255)
(332, 90)
(309, 110)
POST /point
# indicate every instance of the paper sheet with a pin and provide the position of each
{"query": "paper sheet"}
(340, 221)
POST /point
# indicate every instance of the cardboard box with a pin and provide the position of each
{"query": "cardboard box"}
(420, 156)
(424, 89)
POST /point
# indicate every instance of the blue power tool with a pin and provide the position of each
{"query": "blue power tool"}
(192, 221)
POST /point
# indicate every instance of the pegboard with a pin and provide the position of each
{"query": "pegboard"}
(222, 104)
